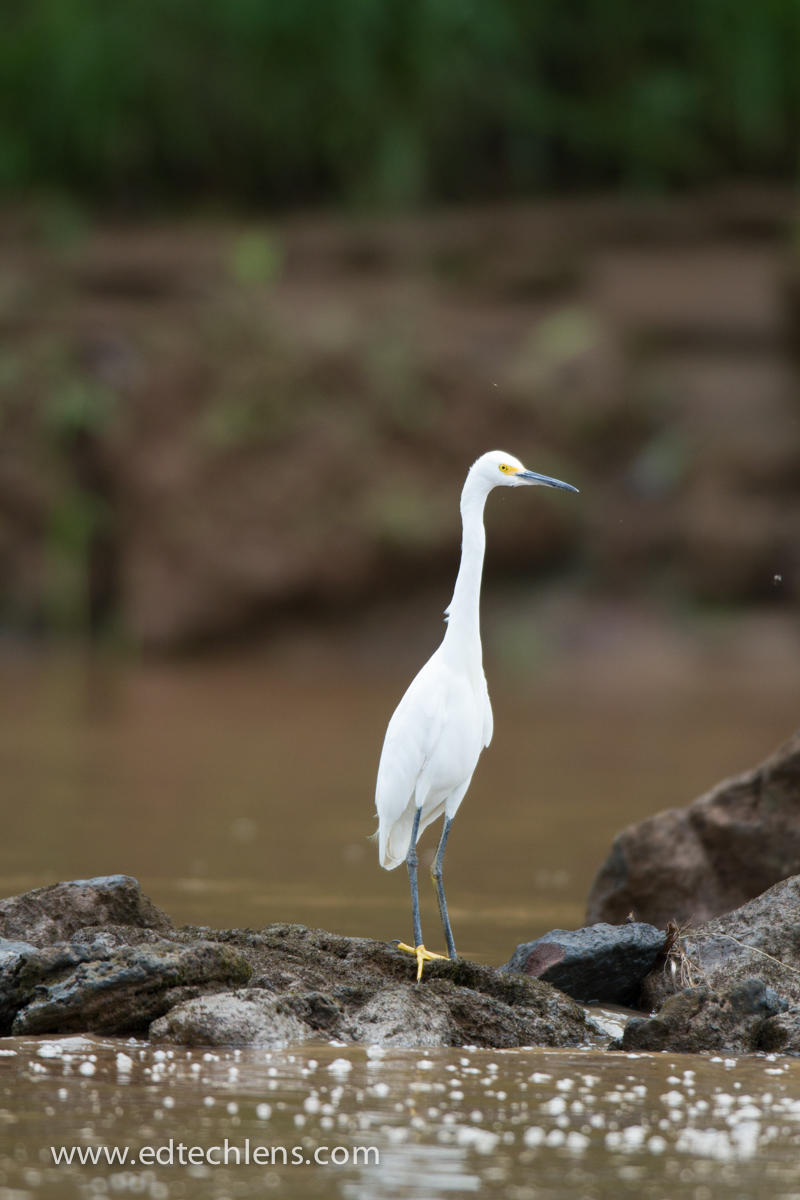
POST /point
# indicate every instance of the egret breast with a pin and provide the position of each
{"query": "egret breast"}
(458, 747)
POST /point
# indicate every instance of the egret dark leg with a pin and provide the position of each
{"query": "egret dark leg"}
(411, 863)
(436, 875)
(418, 950)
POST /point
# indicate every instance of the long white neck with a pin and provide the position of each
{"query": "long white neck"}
(462, 639)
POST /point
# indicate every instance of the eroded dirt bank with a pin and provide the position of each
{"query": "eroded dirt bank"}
(207, 425)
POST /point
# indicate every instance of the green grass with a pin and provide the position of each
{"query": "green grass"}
(391, 101)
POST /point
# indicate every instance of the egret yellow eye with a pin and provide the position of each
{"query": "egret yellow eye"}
(505, 468)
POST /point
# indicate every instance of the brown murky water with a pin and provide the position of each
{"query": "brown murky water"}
(240, 792)
(362, 1124)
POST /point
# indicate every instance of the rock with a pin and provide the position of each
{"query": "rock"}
(13, 992)
(601, 963)
(711, 857)
(731, 985)
(759, 939)
(700, 1020)
(780, 1034)
(116, 965)
(74, 988)
(359, 990)
(248, 1017)
(401, 1018)
(53, 914)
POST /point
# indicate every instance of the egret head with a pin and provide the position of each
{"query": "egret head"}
(498, 469)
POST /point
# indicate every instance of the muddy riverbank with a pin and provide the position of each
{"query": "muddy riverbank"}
(209, 426)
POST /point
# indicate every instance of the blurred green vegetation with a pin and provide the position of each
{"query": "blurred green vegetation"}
(391, 101)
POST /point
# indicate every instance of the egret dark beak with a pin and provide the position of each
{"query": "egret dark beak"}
(533, 477)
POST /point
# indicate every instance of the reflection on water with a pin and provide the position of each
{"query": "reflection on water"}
(367, 1124)
(240, 792)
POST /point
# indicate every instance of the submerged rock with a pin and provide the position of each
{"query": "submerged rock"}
(599, 964)
(96, 955)
(695, 863)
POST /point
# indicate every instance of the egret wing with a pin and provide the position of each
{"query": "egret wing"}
(411, 737)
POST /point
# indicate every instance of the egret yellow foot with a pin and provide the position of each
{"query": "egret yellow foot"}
(422, 956)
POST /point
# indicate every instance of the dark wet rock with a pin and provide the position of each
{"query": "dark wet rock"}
(247, 1017)
(95, 957)
(121, 991)
(601, 964)
(711, 857)
(55, 913)
(699, 1020)
(762, 939)
(13, 991)
(731, 985)
(187, 984)
(780, 1034)
(25, 970)
(360, 990)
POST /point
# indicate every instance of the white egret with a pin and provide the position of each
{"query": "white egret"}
(444, 720)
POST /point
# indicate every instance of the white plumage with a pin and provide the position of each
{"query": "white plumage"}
(444, 720)
(431, 749)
